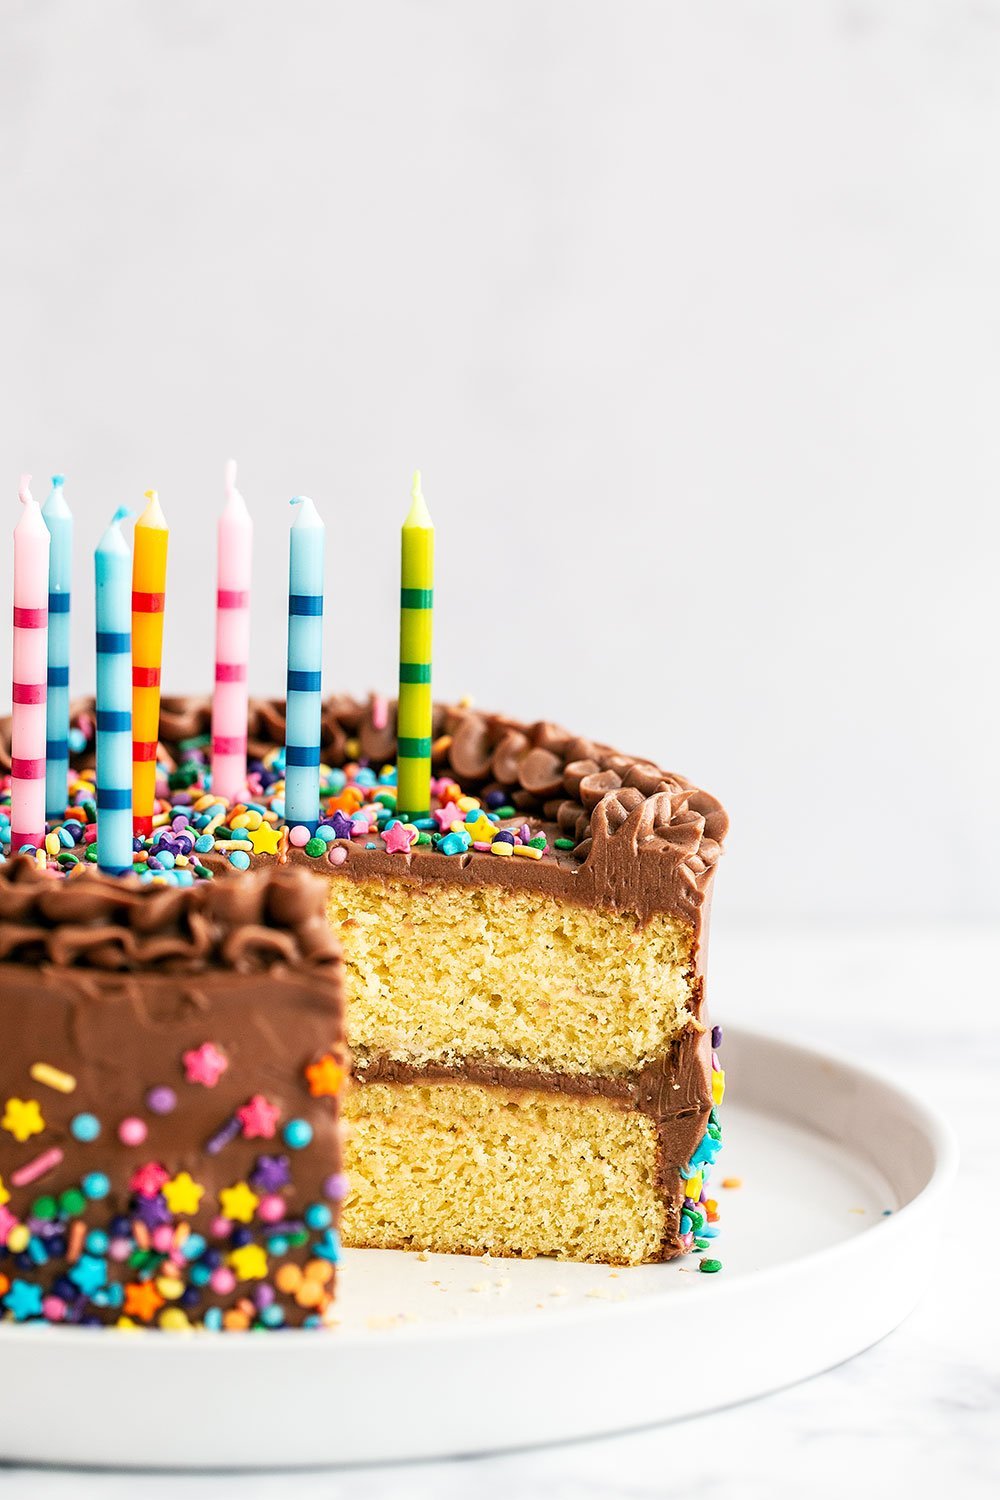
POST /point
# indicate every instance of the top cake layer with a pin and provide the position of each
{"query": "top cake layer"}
(631, 836)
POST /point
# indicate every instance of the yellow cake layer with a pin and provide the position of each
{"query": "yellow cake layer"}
(459, 1167)
(440, 973)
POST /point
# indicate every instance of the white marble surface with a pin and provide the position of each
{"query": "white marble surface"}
(915, 1415)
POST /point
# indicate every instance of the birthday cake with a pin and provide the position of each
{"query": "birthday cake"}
(190, 1118)
(533, 1071)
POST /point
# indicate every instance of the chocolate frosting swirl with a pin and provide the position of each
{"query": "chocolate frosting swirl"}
(100, 922)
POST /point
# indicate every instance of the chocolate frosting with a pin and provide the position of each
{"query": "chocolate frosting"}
(646, 840)
(104, 922)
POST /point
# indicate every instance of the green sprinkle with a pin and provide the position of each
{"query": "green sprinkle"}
(423, 838)
(314, 847)
(506, 812)
(92, 853)
(72, 1202)
(387, 800)
(710, 1266)
(565, 844)
(44, 1208)
(701, 1244)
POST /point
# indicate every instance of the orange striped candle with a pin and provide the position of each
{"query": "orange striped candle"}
(149, 581)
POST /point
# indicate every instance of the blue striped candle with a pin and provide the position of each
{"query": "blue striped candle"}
(58, 518)
(113, 577)
(303, 712)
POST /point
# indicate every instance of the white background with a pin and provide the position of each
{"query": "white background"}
(689, 314)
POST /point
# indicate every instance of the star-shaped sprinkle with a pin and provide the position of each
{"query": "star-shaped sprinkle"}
(342, 825)
(4, 1195)
(183, 1194)
(23, 1118)
(142, 1300)
(238, 1202)
(205, 1064)
(24, 1300)
(265, 839)
(259, 1118)
(450, 813)
(148, 1179)
(399, 837)
(271, 1173)
(7, 1223)
(249, 1262)
(325, 1077)
(89, 1273)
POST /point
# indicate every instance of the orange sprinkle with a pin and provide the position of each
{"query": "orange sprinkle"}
(235, 1321)
(319, 1270)
(288, 1277)
(309, 1294)
(732, 1182)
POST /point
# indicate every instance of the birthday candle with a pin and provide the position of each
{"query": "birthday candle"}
(149, 580)
(305, 665)
(59, 520)
(416, 618)
(232, 644)
(112, 568)
(31, 629)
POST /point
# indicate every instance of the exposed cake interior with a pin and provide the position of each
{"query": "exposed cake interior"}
(441, 973)
(523, 1172)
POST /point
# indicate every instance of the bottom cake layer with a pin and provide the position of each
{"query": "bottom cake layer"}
(457, 1166)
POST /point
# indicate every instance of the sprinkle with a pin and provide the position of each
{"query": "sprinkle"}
(205, 1064)
(258, 1117)
(297, 1134)
(161, 1100)
(710, 1266)
(298, 836)
(527, 851)
(132, 1131)
(54, 1078)
(500, 846)
(325, 1077)
(32, 1170)
(732, 1182)
(23, 1119)
(226, 1133)
(238, 1202)
(337, 855)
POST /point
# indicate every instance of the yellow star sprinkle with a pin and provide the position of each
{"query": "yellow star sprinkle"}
(265, 839)
(238, 1202)
(183, 1194)
(23, 1119)
(4, 1195)
(249, 1262)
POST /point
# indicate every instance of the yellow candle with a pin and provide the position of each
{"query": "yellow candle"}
(149, 580)
(416, 619)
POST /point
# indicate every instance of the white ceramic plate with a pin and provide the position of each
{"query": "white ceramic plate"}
(453, 1355)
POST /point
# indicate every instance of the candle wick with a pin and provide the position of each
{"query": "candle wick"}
(149, 495)
(24, 490)
(417, 490)
(121, 514)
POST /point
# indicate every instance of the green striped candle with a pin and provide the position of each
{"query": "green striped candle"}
(416, 619)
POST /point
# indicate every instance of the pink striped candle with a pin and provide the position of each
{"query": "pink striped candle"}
(31, 644)
(232, 645)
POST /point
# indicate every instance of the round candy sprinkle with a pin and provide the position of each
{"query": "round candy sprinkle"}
(318, 1216)
(337, 855)
(710, 1266)
(297, 1134)
(132, 1131)
(335, 1187)
(85, 1127)
(298, 836)
(315, 847)
(239, 859)
(161, 1099)
(96, 1185)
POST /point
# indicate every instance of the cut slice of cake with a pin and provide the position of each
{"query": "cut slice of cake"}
(169, 1081)
(534, 1073)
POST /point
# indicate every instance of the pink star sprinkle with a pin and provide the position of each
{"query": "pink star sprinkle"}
(448, 815)
(398, 838)
(206, 1064)
(258, 1117)
(148, 1179)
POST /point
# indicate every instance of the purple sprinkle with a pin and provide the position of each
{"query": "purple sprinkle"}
(504, 837)
(525, 833)
(271, 1173)
(495, 800)
(716, 1037)
(161, 1100)
(342, 826)
(179, 822)
(152, 1211)
(335, 1187)
(226, 1133)
(263, 1294)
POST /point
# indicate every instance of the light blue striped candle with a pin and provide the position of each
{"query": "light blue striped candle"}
(113, 577)
(303, 713)
(59, 519)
